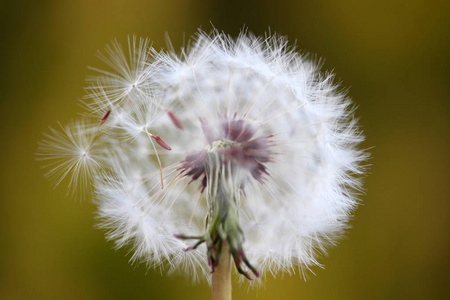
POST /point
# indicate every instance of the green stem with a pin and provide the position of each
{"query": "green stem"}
(221, 278)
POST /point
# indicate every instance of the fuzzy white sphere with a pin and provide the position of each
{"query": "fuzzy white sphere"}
(291, 132)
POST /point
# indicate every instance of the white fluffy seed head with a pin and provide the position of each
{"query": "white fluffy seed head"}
(301, 181)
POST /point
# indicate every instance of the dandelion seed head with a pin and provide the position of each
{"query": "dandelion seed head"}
(246, 118)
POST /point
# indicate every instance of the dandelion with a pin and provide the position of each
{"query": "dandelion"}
(234, 150)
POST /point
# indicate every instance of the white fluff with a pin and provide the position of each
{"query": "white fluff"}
(301, 205)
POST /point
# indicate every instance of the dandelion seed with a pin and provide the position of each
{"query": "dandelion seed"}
(105, 117)
(174, 119)
(129, 75)
(160, 141)
(70, 153)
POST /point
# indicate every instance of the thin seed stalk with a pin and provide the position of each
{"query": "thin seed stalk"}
(221, 278)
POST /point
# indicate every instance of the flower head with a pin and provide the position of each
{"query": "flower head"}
(238, 141)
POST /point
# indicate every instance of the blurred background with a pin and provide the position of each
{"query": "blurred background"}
(394, 56)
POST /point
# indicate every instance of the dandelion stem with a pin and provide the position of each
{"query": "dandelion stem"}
(221, 278)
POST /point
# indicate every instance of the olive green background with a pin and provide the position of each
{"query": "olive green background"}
(394, 56)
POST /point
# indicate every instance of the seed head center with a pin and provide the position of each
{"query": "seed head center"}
(221, 145)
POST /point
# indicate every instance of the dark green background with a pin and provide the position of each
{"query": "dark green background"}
(394, 56)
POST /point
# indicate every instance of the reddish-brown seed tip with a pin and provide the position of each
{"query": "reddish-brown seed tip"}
(105, 117)
(160, 142)
(174, 119)
(247, 276)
